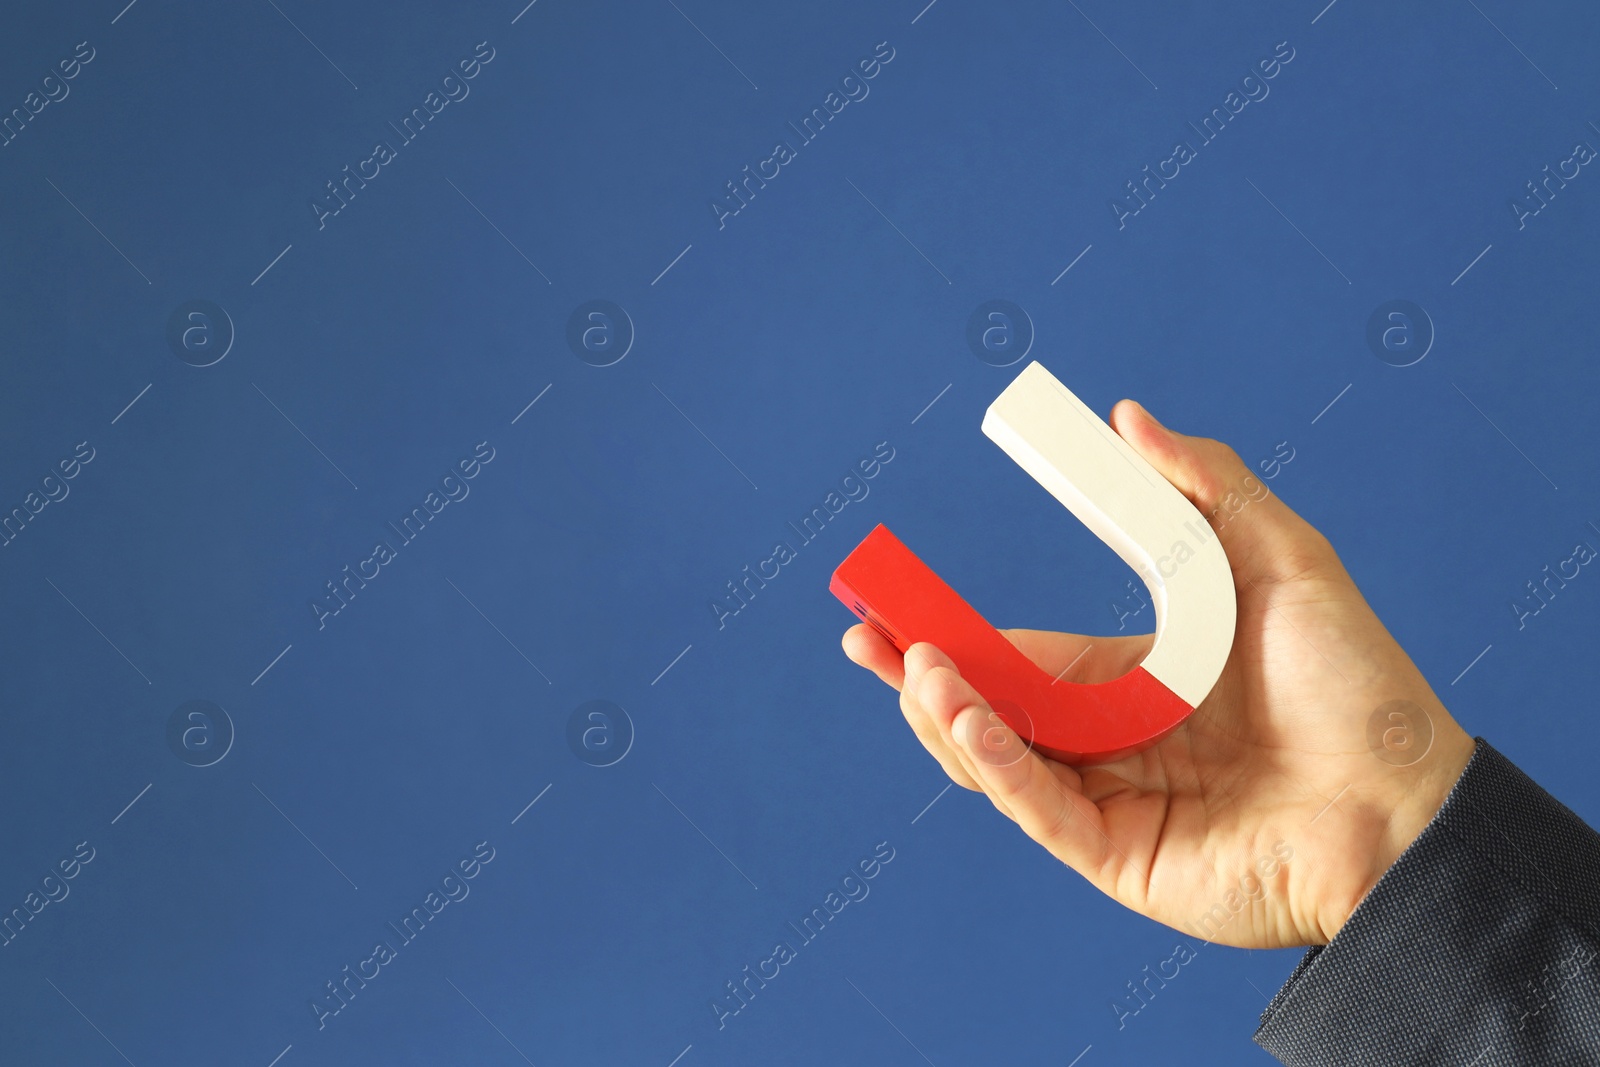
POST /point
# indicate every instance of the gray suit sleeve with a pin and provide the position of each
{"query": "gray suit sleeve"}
(1475, 949)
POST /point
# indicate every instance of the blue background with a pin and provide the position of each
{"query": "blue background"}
(430, 711)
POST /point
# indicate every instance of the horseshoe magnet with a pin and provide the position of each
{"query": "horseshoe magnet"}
(1113, 491)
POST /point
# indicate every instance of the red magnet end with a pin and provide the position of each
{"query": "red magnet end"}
(900, 596)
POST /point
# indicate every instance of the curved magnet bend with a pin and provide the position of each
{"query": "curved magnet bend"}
(1113, 491)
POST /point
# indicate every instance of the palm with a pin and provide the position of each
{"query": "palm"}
(1255, 768)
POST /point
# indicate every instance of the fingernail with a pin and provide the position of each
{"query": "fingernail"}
(959, 731)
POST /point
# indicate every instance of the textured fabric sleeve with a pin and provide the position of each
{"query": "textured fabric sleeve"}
(1476, 948)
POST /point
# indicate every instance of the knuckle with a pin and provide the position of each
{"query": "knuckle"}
(1058, 823)
(1216, 471)
(1222, 450)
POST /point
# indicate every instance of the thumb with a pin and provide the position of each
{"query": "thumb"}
(1264, 538)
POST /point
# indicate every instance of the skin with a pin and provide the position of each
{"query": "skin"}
(1277, 754)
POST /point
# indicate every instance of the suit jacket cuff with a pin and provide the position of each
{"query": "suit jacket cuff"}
(1475, 947)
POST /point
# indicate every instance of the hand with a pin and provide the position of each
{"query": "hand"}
(1276, 755)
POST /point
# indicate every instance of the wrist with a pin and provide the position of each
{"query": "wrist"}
(1404, 810)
